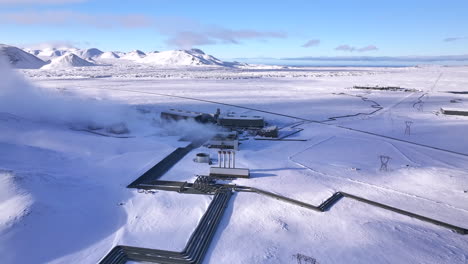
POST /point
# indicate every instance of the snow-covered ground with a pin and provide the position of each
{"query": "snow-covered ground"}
(62, 190)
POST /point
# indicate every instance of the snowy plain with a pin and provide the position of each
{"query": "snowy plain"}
(62, 190)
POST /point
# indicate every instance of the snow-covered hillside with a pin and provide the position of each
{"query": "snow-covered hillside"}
(134, 55)
(193, 57)
(20, 59)
(109, 55)
(50, 53)
(89, 53)
(171, 58)
(67, 61)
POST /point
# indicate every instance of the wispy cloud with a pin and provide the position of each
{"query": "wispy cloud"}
(66, 18)
(214, 34)
(311, 43)
(52, 44)
(40, 2)
(451, 39)
(187, 39)
(352, 49)
(385, 58)
(180, 32)
(367, 48)
(345, 48)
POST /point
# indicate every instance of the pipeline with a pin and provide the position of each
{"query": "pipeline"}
(195, 249)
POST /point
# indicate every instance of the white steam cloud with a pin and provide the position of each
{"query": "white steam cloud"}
(20, 98)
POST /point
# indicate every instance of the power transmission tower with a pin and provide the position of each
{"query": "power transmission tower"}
(408, 127)
(435, 83)
(384, 162)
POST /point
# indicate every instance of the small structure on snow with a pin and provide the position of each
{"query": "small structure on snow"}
(227, 166)
(271, 132)
(202, 158)
(454, 111)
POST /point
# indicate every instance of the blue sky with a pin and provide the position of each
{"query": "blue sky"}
(232, 29)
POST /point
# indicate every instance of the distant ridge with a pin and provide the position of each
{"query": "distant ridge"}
(73, 57)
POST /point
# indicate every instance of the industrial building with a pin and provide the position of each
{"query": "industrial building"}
(176, 115)
(452, 111)
(230, 120)
(227, 167)
(241, 121)
(224, 140)
(271, 132)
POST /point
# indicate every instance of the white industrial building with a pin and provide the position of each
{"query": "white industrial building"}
(224, 140)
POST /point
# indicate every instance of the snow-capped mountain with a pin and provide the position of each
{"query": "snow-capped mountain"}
(89, 53)
(34, 52)
(20, 59)
(48, 54)
(109, 55)
(67, 61)
(134, 55)
(191, 57)
(119, 53)
(62, 57)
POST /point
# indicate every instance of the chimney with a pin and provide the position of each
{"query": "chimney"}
(233, 159)
(224, 159)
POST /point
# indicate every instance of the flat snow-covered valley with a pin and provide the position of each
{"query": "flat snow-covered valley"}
(63, 194)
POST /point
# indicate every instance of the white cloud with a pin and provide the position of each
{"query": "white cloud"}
(40, 2)
(367, 48)
(180, 32)
(385, 58)
(212, 35)
(352, 49)
(51, 44)
(310, 43)
(67, 17)
(451, 39)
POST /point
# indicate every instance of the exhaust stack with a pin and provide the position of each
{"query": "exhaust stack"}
(227, 159)
(219, 158)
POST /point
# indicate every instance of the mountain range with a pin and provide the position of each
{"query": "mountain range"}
(58, 58)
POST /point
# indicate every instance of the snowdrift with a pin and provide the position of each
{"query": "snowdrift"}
(14, 202)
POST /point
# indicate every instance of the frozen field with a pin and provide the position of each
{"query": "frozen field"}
(62, 190)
